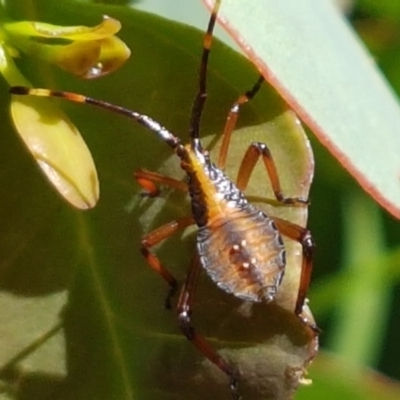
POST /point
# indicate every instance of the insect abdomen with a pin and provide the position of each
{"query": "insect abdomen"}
(244, 254)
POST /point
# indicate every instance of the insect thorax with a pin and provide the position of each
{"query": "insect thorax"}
(213, 193)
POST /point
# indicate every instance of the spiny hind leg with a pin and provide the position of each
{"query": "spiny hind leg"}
(184, 310)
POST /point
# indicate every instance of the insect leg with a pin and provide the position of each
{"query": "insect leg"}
(232, 118)
(201, 96)
(144, 120)
(253, 153)
(156, 236)
(303, 236)
(147, 179)
(184, 310)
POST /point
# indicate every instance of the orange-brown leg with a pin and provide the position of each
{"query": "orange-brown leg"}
(147, 180)
(231, 120)
(156, 236)
(303, 236)
(184, 310)
(253, 153)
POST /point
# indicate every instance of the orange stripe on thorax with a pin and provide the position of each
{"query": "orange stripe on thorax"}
(216, 207)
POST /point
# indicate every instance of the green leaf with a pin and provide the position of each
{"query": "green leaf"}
(337, 378)
(121, 342)
(316, 62)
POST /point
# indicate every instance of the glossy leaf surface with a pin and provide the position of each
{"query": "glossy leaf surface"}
(309, 53)
(118, 335)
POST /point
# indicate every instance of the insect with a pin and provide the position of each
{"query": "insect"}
(239, 246)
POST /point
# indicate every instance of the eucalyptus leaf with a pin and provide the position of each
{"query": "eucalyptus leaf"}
(308, 52)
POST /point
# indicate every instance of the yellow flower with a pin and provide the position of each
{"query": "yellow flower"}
(50, 136)
(88, 52)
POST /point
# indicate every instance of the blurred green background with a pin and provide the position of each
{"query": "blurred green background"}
(354, 295)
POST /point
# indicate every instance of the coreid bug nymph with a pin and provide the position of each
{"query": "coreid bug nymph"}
(239, 246)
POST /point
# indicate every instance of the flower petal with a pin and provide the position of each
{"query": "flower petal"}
(108, 27)
(54, 142)
(58, 148)
(83, 51)
(113, 55)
